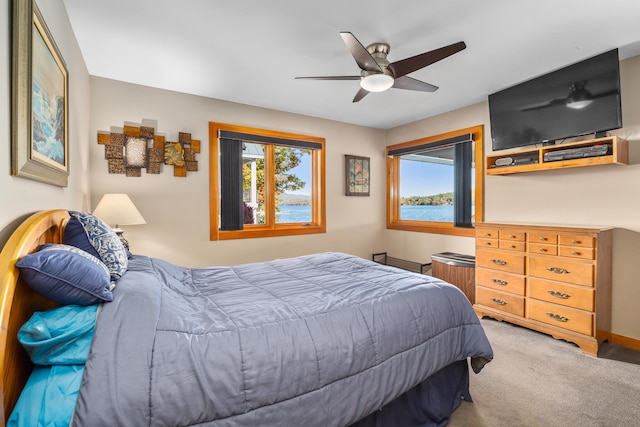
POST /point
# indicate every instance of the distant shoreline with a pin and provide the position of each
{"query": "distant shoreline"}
(295, 200)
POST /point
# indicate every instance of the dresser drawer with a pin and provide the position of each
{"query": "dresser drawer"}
(585, 241)
(500, 280)
(576, 252)
(502, 301)
(487, 243)
(489, 233)
(557, 315)
(539, 248)
(513, 235)
(543, 237)
(511, 262)
(512, 245)
(561, 293)
(561, 269)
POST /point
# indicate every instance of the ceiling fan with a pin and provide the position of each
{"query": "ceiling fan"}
(378, 74)
(577, 98)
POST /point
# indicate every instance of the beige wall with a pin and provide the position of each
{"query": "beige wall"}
(602, 195)
(177, 209)
(18, 196)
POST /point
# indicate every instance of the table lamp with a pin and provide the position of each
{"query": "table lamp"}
(117, 210)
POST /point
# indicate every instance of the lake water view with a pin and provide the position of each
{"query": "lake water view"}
(294, 213)
(302, 213)
(443, 213)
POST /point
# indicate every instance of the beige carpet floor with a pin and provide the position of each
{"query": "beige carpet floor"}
(537, 381)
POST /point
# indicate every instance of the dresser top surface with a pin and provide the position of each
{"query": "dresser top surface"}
(546, 227)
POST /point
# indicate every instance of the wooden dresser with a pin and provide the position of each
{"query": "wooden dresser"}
(554, 279)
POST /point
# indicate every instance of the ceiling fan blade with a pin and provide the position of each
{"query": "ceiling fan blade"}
(360, 53)
(332, 78)
(361, 94)
(409, 65)
(554, 102)
(409, 83)
(603, 94)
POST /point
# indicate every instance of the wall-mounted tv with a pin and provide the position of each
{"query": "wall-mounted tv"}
(580, 99)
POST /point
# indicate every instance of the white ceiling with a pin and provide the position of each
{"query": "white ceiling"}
(249, 51)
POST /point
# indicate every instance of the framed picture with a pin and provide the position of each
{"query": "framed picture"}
(357, 174)
(39, 100)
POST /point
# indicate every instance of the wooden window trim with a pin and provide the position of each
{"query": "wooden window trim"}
(270, 229)
(393, 186)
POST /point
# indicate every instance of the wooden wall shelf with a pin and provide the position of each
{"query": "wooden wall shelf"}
(533, 159)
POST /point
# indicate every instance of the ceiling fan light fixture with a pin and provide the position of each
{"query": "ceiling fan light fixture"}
(578, 104)
(376, 82)
(579, 97)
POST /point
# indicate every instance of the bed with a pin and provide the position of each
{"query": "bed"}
(326, 339)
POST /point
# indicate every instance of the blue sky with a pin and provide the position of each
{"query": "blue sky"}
(425, 179)
(303, 171)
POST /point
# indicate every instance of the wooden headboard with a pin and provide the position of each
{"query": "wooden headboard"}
(18, 301)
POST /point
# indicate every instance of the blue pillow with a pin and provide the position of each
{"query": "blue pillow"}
(60, 336)
(66, 275)
(92, 235)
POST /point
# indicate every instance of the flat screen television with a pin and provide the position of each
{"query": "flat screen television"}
(579, 99)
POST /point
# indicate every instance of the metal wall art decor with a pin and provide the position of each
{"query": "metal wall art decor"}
(357, 174)
(39, 101)
(135, 146)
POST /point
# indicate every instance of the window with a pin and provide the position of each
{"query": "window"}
(265, 183)
(434, 183)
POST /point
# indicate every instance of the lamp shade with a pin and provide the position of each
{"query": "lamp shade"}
(118, 209)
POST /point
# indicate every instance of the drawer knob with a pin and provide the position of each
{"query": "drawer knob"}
(499, 282)
(512, 246)
(543, 238)
(575, 242)
(558, 294)
(557, 317)
(574, 253)
(558, 270)
(543, 250)
(499, 262)
(511, 236)
(487, 234)
(498, 301)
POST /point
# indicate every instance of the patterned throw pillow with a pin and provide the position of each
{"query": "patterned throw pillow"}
(91, 234)
(66, 275)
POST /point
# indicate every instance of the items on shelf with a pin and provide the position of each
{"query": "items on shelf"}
(599, 151)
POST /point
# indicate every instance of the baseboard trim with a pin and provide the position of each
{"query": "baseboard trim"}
(625, 341)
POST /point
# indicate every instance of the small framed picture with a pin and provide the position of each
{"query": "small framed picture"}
(357, 173)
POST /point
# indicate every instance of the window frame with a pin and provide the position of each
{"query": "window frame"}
(270, 228)
(393, 185)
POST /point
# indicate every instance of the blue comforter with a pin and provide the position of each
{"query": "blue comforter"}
(318, 340)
